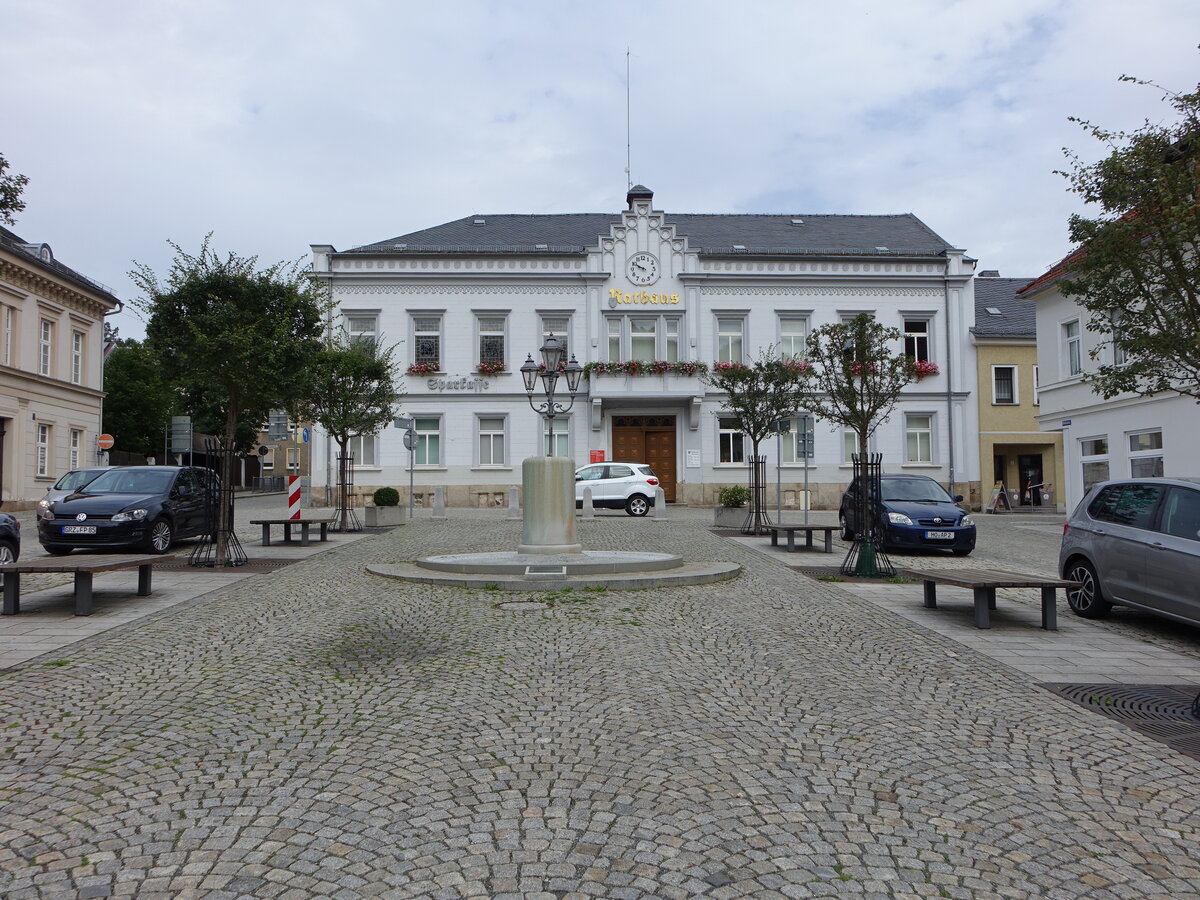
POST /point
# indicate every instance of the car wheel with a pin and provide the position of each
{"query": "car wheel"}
(637, 505)
(961, 551)
(8, 553)
(1087, 600)
(160, 536)
(847, 533)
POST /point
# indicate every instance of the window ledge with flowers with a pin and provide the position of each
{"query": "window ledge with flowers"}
(637, 367)
(423, 368)
(490, 368)
(923, 368)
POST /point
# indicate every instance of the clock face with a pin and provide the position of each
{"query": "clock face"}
(642, 268)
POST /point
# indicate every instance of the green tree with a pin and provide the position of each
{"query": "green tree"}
(349, 389)
(1137, 270)
(858, 374)
(11, 187)
(232, 338)
(758, 396)
(139, 401)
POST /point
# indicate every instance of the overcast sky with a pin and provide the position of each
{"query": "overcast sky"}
(277, 125)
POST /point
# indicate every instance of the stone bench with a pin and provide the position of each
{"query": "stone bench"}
(983, 584)
(305, 527)
(83, 567)
(808, 530)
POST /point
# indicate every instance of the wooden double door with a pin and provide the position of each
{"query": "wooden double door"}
(648, 439)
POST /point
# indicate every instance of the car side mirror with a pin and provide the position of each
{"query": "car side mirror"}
(958, 498)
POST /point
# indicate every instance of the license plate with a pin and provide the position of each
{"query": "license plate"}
(79, 529)
(939, 535)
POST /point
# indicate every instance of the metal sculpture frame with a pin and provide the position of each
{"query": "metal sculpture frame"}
(757, 518)
(345, 519)
(219, 513)
(866, 558)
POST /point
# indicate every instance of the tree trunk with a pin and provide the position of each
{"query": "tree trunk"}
(224, 523)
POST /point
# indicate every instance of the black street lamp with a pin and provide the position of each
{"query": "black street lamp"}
(549, 371)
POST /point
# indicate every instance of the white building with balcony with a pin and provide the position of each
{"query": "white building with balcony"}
(468, 301)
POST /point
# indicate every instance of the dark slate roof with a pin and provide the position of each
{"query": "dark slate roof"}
(712, 235)
(1016, 319)
(26, 250)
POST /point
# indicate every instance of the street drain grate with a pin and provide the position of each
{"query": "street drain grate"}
(1159, 711)
(251, 566)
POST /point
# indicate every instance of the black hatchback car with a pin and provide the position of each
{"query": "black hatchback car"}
(915, 513)
(145, 507)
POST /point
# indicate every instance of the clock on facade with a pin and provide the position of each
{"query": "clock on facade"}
(642, 268)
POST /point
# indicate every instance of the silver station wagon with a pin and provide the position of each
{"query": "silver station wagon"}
(1135, 542)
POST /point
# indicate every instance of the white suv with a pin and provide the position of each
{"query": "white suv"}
(617, 485)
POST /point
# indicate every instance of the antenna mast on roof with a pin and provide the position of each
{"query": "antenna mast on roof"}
(628, 177)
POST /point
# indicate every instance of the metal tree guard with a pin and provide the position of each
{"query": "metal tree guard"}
(757, 518)
(551, 367)
(866, 557)
(345, 517)
(219, 514)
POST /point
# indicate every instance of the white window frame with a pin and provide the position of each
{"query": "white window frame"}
(1016, 390)
(480, 418)
(501, 332)
(358, 333)
(44, 437)
(929, 432)
(293, 459)
(1150, 453)
(357, 448)
(422, 445)
(45, 347)
(847, 437)
(655, 323)
(1036, 386)
(917, 337)
(419, 334)
(563, 334)
(1072, 348)
(76, 445)
(78, 341)
(10, 325)
(615, 330)
(725, 339)
(672, 332)
(562, 435)
(1094, 459)
(793, 344)
(267, 463)
(733, 434)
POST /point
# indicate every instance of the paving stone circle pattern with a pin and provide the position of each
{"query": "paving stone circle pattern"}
(321, 732)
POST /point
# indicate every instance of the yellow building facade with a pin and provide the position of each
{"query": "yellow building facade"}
(1013, 450)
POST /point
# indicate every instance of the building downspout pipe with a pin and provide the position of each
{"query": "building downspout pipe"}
(949, 389)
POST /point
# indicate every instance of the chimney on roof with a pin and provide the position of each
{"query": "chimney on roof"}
(989, 273)
(639, 192)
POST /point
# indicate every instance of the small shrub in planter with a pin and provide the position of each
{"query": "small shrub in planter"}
(386, 496)
(735, 496)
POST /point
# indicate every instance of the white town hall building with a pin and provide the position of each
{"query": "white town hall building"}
(467, 301)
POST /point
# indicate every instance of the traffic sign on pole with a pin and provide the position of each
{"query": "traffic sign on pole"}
(105, 441)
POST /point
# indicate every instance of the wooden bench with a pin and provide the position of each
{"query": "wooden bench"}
(790, 531)
(983, 583)
(288, 524)
(83, 567)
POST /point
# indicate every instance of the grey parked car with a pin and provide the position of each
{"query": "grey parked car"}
(1135, 542)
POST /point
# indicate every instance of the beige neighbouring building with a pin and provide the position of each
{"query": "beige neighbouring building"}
(51, 369)
(1013, 449)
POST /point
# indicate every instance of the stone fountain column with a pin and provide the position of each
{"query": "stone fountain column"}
(548, 524)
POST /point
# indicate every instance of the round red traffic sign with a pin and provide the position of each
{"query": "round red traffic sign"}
(105, 441)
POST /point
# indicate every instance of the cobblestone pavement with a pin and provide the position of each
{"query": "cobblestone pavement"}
(323, 732)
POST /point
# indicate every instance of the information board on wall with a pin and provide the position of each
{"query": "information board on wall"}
(597, 456)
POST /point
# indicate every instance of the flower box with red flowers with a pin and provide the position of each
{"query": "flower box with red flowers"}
(422, 368)
(923, 368)
(490, 368)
